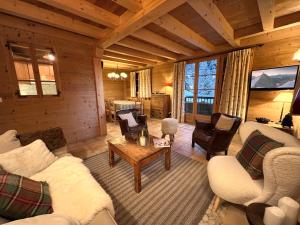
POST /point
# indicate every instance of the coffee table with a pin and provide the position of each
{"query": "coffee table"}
(137, 156)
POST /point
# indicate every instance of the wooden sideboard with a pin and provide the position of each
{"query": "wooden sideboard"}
(160, 106)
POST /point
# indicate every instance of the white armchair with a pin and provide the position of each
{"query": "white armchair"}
(281, 166)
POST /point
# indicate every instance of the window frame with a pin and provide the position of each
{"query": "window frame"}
(35, 67)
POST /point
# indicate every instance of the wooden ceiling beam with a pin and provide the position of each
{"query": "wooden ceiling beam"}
(128, 58)
(275, 35)
(174, 26)
(32, 12)
(163, 42)
(131, 5)
(86, 10)
(150, 12)
(267, 13)
(123, 61)
(132, 52)
(107, 64)
(145, 47)
(213, 16)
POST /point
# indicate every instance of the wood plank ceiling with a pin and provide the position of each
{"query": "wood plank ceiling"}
(140, 33)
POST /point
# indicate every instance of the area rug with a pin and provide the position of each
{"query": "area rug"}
(179, 196)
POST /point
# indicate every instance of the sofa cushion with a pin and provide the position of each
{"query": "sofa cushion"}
(21, 197)
(9, 141)
(229, 180)
(253, 152)
(225, 123)
(129, 117)
(248, 127)
(53, 138)
(27, 160)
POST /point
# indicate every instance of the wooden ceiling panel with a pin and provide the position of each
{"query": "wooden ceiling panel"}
(239, 13)
(188, 16)
(158, 30)
(110, 6)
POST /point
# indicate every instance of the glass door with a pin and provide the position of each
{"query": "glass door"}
(200, 89)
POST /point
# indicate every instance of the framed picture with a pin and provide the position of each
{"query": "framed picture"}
(278, 78)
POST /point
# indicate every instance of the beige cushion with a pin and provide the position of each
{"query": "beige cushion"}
(248, 127)
(129, 117)
(230, 181)
(27, 160)
(9, 141)
(225, 123)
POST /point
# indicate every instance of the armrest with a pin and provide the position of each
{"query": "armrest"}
(124, 126)
(203, 125)
(142, 119)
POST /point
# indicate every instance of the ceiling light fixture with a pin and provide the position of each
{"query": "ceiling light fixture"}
(116, 75)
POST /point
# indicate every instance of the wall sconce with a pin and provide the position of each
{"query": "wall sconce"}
(296, 56)
(167, 84)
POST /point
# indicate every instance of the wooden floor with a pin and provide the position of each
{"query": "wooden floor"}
(181, 145)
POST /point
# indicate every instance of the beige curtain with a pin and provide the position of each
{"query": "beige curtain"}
(145, 83)
(235, 85)
(132, 85)
(178, 91)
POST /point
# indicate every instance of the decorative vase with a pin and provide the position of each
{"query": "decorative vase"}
(143, 139)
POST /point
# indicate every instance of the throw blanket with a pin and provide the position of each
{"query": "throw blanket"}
(49, 219)
(73, 189)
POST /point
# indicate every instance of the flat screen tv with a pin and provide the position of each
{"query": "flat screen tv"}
(274, 78)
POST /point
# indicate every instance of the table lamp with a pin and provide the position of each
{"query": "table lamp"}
(283, 97)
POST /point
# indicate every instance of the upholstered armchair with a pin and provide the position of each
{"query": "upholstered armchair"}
(211, 139)
(132, 131)
(231, 182)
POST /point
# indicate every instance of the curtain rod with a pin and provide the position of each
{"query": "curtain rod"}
(219, 53)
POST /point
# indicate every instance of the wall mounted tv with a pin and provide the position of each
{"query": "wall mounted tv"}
(274, 78)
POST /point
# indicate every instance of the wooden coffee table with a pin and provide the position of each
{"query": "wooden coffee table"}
(137, 156)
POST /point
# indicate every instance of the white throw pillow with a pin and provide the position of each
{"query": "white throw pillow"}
(129, 117)
(225, 123)
(27, 160)
(9, 141)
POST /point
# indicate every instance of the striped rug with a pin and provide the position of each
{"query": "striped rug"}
(179, 196)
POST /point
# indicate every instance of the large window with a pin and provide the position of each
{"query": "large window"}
(200, 86)
(35, 70)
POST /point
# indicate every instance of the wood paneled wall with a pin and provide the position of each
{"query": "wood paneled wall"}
(272, 54)
(75, 110)
(116, 89)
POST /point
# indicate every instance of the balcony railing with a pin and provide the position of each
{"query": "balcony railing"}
(205, 105)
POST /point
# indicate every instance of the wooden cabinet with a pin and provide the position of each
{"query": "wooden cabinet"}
(160, 106)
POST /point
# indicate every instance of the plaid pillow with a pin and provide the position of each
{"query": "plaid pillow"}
(21, 197)
(253, 152)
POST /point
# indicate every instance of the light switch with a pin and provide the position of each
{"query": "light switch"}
(1, 100)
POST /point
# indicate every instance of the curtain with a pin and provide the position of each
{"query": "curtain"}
(132, 85)
(178, 91)
(235, 85)
(145, 83)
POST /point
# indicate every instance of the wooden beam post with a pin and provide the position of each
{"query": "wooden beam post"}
(99, 91)
(267, 13)
(174, 26)
(131, 5)
(213, 16)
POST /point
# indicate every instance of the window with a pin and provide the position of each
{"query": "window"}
(189, 85)
(206, 86)
(35, 70)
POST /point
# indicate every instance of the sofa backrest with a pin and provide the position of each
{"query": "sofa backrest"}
(248, 127)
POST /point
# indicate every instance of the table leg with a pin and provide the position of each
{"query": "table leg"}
(111, 157)
(168, 159)
(137, 178)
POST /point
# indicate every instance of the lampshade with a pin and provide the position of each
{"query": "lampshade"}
(168, 84)
(296, 56)
(296, 104)
(284, 97)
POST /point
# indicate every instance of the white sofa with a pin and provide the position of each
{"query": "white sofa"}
(75, 193)
(281, 166)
